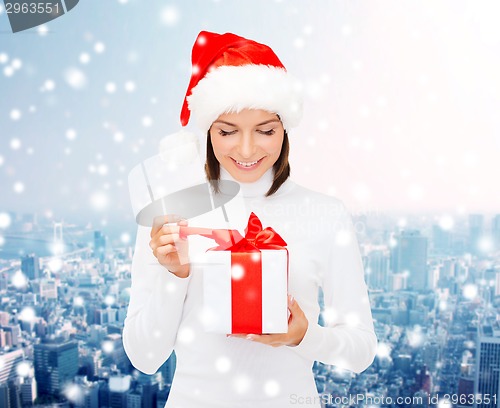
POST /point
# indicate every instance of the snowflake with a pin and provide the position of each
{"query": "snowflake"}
(99, 200)
(99, 47)
(446, 222)
(15, 114)
(186, 335)
(84, 58)
(118, 137)
(271, 388)
(469, 291)
(237, 272)
(110, 87)
(16, 63)
(241, 384)
(383, 350)
(18, 187)
(8, 71)
(75, 78)
(42, 30)
(107, 346)
(130, 86)
(71, 134)
(55, 264)
(78, 301)
(223, 364)
(19, 279)
(15, 144)
(27, 314)
(23, 369)
(109, 300)
(170, 16)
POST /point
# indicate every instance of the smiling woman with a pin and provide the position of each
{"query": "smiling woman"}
(247, 144)
(242, 96)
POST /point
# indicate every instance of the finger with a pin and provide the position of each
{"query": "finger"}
(167, 239)
(240, 335)
(183, 222)
(166, 249)
(168, 229)
(159, 221)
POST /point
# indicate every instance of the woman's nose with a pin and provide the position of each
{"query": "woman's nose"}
(246, 147)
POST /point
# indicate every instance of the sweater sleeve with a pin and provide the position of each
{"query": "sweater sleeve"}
(155, 308)
(348, 338)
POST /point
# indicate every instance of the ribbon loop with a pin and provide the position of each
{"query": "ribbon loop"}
(262, 238)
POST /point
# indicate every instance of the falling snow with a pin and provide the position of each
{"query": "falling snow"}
(15, 114)
(75, 78)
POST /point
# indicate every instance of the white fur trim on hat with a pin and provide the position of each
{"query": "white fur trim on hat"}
(233, 88)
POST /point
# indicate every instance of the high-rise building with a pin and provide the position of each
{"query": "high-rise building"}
(134, 398)
(476, 231)
(9, 335)
(487, 364)
(148, 388)
(119, 386)
(495, 231)
(377, 270)
(55, 365)
(411, 258)
(30, 265)
(99, 245)
(441, 240)
(4, 281)
(10, 395)
(48, 289)
(168, 369)
(8, 365)
(28, 391)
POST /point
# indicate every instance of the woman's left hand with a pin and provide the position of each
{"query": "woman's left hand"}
(297, 327)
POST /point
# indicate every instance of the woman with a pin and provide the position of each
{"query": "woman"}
(242, 95)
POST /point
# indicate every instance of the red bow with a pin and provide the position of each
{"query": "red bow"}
(262, 238)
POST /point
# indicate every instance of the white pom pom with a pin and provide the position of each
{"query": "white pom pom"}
(179, 148)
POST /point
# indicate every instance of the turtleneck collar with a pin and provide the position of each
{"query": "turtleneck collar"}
(258, 188)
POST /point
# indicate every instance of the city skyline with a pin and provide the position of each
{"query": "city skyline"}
(385, 128)
(426, 288)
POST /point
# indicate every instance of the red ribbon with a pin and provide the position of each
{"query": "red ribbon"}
(246, 287)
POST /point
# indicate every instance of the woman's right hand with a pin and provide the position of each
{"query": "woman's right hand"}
(170, 250)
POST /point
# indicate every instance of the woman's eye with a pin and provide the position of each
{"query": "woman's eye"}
(267, 132)
(225, 133)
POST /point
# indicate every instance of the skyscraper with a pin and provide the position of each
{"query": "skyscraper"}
(8, 364)
(30, 265)
(495, 231)
(55, 365)
(487, 366)
(377, 269)
(99, 245)
(411, 257)
(475, 232)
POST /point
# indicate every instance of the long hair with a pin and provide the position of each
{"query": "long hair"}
(281, 169)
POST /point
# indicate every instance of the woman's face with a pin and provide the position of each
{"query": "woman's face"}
(248, 143)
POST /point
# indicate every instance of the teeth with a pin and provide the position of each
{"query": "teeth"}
(250, 164)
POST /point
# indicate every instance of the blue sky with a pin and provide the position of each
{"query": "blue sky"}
(401, 104)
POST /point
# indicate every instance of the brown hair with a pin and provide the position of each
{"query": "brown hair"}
(281, 168)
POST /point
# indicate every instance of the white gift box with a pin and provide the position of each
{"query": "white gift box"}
(233, 306)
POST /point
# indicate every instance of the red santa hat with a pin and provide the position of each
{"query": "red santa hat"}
(231, 73)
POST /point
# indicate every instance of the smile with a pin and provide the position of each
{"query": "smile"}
(247, 165)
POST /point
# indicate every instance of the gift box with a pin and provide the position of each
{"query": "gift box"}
(245, 283)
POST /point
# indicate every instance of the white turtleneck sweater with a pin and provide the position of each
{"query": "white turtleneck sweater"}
(214, 371)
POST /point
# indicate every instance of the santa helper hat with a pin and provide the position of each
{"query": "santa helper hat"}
(231, 73)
